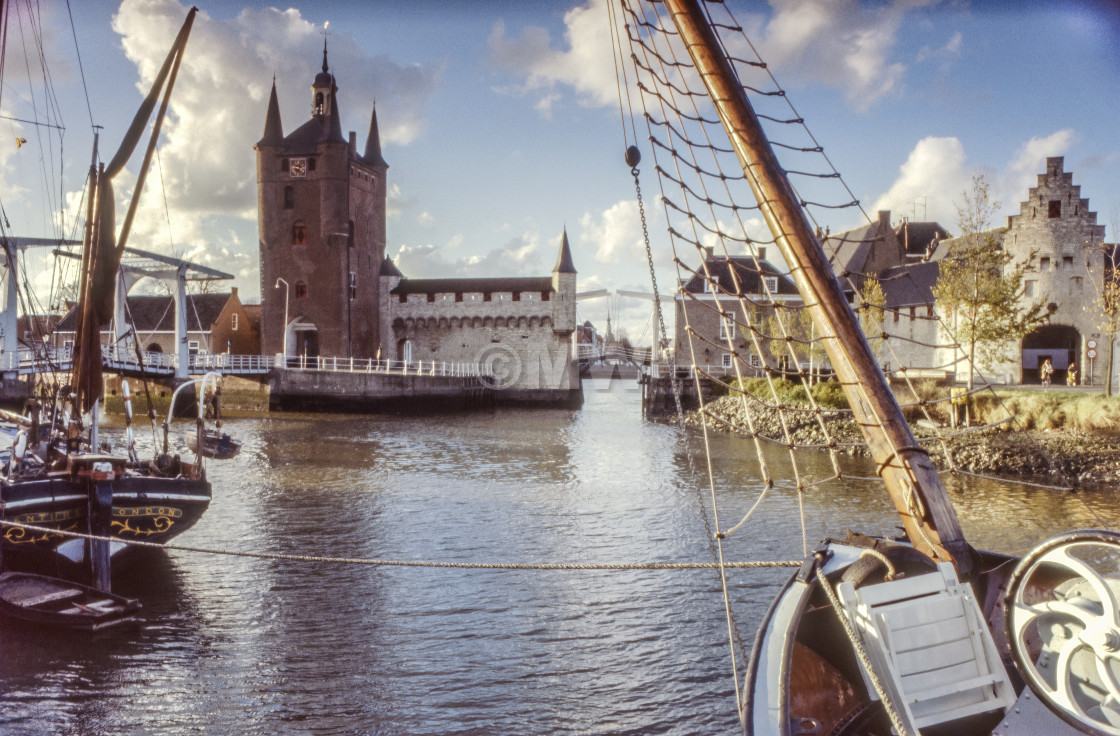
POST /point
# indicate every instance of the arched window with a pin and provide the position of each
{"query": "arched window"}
(284, 165)
(289, 197)
(318, 107)
(301, 290)
(299, 233)
(155, 347)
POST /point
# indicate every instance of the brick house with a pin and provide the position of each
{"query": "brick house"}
(216, 323)
(715, 324)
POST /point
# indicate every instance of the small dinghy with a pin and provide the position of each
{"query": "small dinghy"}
(218, 446)
(48, 601)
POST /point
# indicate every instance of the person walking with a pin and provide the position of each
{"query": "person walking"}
(1046, 370)
(1071, 375)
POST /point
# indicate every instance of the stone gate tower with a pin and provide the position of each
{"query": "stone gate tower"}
(321, 225)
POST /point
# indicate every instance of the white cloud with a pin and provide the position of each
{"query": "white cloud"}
(520, 256)
(205, 171)
(585, 65)
(616, 233)
(221, 95)
(843, 43)
(952, 48)
(936, 174)
(1028, 162)
(933, 175)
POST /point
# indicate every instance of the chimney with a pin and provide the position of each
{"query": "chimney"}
(761, 252)
(709, 252)
(353, 143)
(885, 218)
(233, 292)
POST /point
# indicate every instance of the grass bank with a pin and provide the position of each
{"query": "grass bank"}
(240, 397)
(1043, 410)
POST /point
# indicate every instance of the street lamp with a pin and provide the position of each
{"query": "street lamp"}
(286, 290)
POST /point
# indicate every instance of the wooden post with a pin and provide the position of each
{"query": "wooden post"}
(100, 515)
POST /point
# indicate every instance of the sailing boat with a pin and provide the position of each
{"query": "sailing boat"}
(59, 477)
(920, 634)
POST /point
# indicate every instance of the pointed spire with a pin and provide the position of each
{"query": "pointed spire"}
(373, 142)
(273, 130)
(325, 67)
(336, 120)
(564, 263)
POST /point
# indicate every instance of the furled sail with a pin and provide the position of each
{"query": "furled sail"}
(102, 249)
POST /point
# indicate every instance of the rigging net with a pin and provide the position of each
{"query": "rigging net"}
(768, 350)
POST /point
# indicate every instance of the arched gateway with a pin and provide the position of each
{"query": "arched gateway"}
(1060, 343)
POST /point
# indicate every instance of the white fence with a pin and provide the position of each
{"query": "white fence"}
(61, 359)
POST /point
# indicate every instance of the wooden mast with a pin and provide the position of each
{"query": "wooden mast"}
(910, 476)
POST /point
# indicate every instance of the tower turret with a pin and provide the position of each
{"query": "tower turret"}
(564, 283)
(273, 130)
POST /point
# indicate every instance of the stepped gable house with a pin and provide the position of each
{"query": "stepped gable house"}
(1054, 230)
(321, 220)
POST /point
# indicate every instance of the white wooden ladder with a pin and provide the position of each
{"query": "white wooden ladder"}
(929, 647)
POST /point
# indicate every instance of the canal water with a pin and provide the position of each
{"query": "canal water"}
(242, 645)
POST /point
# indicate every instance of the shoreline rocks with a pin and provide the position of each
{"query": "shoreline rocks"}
(1055, 457)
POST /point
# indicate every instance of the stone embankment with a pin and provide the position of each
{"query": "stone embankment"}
(1055, 456)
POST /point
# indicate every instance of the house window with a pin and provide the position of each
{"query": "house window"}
(771, 284)
(289, 197)
(1055, 208)
(544, 296)
(67, 344)
(431, 297)
(301, 290)
(284, 165)
(913, 313)
(192, 347)
(727, 360)
(1044, 263)
(486, 296)
(234, 326)
(1075, 285)
(517, 296)
(726, 327)
(353, 285)
(929, 310)
(458, 296)
(1067, 261)
(299, 234)
(1028, 288)
(755, 361)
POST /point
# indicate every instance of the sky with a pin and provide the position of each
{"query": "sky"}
(500, 120)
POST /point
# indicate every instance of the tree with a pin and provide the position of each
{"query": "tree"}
(1105, 257)
(979, 287)
(872, 313)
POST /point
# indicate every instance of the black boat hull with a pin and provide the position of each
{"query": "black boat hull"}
(144, 509)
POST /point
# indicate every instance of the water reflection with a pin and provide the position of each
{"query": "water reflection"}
(243, 645)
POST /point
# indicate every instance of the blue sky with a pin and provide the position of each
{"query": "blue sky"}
(500, 121)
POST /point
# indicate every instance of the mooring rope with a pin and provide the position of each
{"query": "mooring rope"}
(418, 563)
